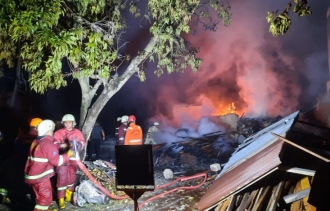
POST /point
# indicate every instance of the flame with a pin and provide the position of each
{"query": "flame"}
(227, 109)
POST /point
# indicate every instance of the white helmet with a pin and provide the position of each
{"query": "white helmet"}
(68, 117)
(124, 119)
(156, 123)
(45, 126)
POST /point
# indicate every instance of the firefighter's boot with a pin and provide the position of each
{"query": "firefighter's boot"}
(68, 195)
(61, 203)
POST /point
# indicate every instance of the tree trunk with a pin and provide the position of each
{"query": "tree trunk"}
(85, 103)
(87, 95)
(111, 88)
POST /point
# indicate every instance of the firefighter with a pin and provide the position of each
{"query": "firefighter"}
(66, 174)
(122, 130)
(33, 126)
(25, 138)
(151, 133)
(134, 133)
(95, 141)
(39, 168)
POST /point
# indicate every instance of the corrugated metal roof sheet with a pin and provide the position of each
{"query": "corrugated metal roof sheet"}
(256, 156)
(259, 141)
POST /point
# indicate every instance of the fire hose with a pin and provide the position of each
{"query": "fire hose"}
(97, 184)
(106, 192)
(181, 179)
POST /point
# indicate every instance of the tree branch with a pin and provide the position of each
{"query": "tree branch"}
(133, 66)
(95, 87)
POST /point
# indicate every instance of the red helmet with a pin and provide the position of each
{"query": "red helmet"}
(131, 118)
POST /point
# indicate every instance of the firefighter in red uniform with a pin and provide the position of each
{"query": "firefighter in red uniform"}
(39, 168)
(133, 132)
(122, 130)
(33, 126)
(25, 138)
(66, 174)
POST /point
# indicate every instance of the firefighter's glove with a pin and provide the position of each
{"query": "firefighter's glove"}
(70, 153)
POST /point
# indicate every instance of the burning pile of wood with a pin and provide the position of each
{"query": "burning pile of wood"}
(249, 126)
(191, 152)
(214, 147)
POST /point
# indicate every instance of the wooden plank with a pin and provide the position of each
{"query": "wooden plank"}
(238, 200)
(253, 199)
(302, 204)
(274, 197)
(297, 170)
(296, 196)
(239, 190)
(244, 199)
(231, 204)
(244, 205)
(300, 147)
(219, 205)
(305, 184)
(296, 206)
(225, 204)
(257, 198)
(257, 206)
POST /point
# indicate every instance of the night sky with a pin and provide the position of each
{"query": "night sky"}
(242, 63)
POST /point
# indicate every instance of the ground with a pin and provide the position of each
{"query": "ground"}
(176, 200)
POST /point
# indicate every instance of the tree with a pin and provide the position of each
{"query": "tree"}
(87, 34)
(280, 23)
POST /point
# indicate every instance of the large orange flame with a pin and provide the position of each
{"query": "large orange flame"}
(223, 110)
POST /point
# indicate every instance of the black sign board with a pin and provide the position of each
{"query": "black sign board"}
(134, 167)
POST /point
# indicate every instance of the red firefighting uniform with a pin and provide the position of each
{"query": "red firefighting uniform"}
(121, 134)
(66, 174)
(42, 157)
(133, 135)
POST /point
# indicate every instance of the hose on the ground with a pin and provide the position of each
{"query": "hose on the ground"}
(97, 184)
(181, 179)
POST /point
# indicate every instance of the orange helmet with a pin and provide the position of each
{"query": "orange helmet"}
(35, 122)
(131, 118)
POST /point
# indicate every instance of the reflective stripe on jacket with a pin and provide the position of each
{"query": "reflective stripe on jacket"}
(121, 133)
(43, 156)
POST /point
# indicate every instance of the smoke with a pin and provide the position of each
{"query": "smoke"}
(245, 65)
(316, 84)
(206, 126)
(188, 129)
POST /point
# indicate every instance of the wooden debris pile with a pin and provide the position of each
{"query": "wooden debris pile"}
(278, 191)
(249, 126)
(190, 152)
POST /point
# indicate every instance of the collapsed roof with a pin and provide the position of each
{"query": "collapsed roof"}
(255, 158)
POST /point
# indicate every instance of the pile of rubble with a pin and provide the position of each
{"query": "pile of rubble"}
(249, 126)
(185, 158)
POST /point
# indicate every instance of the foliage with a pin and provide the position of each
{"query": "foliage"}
(280, 23)
(86, 32)
(88, 35)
